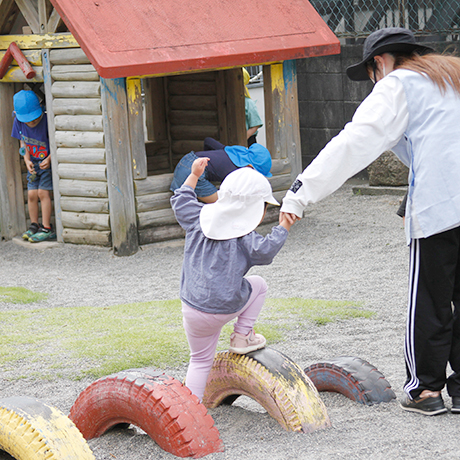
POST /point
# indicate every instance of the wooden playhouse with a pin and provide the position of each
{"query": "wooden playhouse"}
(130, 87)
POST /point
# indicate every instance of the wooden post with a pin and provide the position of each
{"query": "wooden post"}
(291, 118)
(119, 167)
(136, 128)
(282, 127)
(236, 127)
(12, 212)
(52, 138)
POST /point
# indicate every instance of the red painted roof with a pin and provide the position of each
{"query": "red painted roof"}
(151, 37)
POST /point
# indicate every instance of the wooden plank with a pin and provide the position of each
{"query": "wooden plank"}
(282, 166)
(12, 212)
(30, 14)
(83, 188)
(153, 184)
(76, 89)
(34, 57)
(83, 204)
(156, 218)
(16, 75)
(81, 155)
(193, 117)
(274, 110)
(78, 123)
(179, 87)
(182, 132)
(53, 22)
(74, 72)
(82, 172)
(188, 102)
(136, 128)
(293, 151)
(73, 139)
(68, 56)
(236, 121)
(183, 147)
(42, 41)
(85, 220)
(52, 142)
(42, 17)
(75, 236)
(153, 202)
(83, 106)
(156, 234)
(280, 182)
(9, 11)
(155, 109)
(221, 107)
(119, 167)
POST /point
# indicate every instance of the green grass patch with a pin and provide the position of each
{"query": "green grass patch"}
(95, 341)
(20, 295)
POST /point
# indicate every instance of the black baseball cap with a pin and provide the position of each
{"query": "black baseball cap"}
(388, 40)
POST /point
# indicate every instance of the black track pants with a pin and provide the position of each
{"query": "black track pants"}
(433, 325)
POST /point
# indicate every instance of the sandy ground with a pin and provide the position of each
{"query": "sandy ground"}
(348, 247)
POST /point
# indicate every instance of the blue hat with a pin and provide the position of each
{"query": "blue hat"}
(256, 155)
(27, 106)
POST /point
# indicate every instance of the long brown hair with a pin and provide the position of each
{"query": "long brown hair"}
(442, 69)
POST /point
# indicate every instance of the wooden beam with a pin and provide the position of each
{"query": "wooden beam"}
(12, 212)
(45, 41)
(119, 167)
(42, 17)
(53, 22)
(30, 14)
(136, 128)
(236, 124)
(8, 14)
(53, 149)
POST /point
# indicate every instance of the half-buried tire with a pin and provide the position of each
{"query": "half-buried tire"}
(33, 430)
(278, 384)
(353, 377)
(155, 402)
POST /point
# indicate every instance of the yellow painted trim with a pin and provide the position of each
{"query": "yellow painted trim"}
(134, 92)
(15, 75)
(185, 72)
(277, 78)
(64, 40)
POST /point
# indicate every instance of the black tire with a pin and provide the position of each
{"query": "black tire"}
(353, 377)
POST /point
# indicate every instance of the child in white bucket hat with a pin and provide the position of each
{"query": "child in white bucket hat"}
(221, 245)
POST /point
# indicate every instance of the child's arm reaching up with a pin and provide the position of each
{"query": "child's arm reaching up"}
(198, 167)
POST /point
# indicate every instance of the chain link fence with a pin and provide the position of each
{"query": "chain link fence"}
(358, 18)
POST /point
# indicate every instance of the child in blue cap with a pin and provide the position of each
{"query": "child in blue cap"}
(31, 128)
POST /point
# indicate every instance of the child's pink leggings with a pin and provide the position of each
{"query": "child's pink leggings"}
(203, 330)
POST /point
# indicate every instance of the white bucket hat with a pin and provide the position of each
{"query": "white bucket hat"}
(240, 205)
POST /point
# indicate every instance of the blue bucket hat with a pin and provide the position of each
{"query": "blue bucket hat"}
(256, 155)
(27, 106)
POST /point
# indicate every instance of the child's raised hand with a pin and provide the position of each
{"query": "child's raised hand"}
(199, 165)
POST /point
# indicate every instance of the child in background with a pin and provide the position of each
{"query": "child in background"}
(253, 120)
(31, 128)
(220, 247)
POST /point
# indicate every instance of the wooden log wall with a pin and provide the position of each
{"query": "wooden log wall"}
(79, 141)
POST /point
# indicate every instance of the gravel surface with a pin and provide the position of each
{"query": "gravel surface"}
(348, 247)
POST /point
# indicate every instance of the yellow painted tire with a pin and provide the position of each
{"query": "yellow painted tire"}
(32, 430)
(279, 385)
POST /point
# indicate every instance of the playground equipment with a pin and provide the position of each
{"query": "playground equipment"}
(274, 381)
(155, 402)
(33, 430)
(353, 377)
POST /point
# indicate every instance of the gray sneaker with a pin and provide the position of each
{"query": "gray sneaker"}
(455, 405)
(429, 405)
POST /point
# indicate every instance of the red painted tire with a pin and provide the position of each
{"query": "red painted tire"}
(353, 377)
(155, 402)
(274, 381)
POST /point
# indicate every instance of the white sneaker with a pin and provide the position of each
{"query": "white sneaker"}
(242, 344)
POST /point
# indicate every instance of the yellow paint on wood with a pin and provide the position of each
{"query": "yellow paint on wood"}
(133, 88)
(34, 57)
(45, 41)
(15, 74)
(277, 78)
